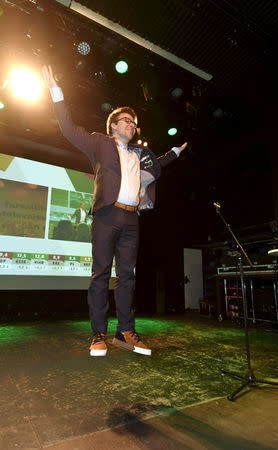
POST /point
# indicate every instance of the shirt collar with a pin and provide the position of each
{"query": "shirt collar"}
(122, 146)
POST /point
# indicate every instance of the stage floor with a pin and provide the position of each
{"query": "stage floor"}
(54, 395)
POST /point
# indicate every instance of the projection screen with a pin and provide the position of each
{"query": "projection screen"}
(45, 229)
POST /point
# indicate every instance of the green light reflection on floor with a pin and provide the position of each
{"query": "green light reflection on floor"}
(224, 333)
(146, 326)
(17, 333)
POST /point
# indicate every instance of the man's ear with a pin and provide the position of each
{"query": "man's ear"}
(113, 123)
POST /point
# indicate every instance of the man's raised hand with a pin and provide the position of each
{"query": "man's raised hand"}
(182, 147)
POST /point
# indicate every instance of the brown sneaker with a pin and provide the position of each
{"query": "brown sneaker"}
(98, 345)
(131, 341)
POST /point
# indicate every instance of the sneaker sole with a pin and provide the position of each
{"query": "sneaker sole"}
(122, 344)
(142, 351)
(98, 352)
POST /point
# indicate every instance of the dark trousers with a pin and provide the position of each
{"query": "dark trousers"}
(114, 232)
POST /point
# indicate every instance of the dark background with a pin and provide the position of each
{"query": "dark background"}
(229, 121)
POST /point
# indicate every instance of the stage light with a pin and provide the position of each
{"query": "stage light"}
(2, 105)
(80, 65)
(145, 144)
(218, 113)
(106, 107)
(172, 131)
(146, 92)
(25, 85)
(121, 67)
(84, 48)
(100, 76)
(177, 93)
(139, 141)
(191, 109)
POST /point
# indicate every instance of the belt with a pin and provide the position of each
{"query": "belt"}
(127, 207)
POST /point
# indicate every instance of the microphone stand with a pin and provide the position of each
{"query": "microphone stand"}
(249, 380)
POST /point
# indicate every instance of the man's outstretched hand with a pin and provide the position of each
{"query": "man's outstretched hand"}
(48, 77)
(182, 147)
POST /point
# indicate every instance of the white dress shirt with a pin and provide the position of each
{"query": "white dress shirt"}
(82, 216)
(130, 179)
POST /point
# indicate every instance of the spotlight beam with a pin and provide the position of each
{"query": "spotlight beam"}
(25, 84)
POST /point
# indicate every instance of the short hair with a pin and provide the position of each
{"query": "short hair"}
(113, 116)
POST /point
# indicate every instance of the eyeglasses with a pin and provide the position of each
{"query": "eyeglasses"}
(127, 120)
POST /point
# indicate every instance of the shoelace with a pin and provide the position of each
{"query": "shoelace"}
(97, 337)
(135, 336)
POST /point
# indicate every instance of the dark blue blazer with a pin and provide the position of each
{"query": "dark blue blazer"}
(103, 154)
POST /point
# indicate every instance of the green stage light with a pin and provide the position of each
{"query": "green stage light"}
(2, 105)
(121, 67)
(172, 131)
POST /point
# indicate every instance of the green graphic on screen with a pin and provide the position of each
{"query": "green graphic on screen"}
(45, 220)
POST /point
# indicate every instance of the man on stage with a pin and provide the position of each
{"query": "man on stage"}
(124, 175)
(80, 214)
